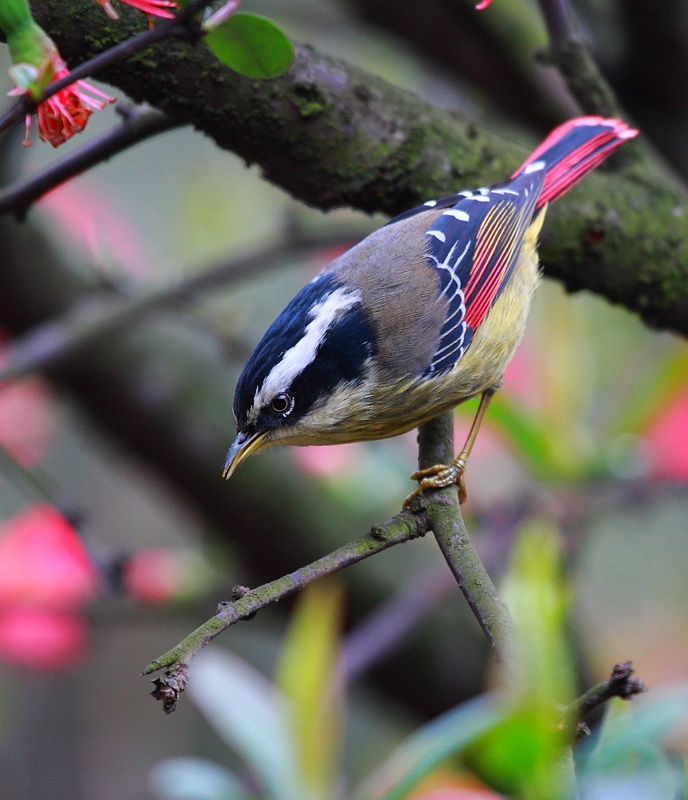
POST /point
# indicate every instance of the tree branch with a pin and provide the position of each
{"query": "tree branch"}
(436, 446)
(620, 683)
(569, 53)
(402, 528)
(136, 126)
(333, 135)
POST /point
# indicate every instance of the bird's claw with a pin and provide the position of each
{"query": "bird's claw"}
(439, 476)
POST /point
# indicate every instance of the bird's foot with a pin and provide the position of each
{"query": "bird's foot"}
(440, 476)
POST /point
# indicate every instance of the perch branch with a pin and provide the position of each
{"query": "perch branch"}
(402, 528)
(436, 446)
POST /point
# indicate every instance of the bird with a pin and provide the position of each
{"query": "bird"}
(421, 315)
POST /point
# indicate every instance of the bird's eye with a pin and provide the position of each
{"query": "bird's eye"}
(282, 404)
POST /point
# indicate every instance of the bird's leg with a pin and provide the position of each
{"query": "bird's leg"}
(441, 475)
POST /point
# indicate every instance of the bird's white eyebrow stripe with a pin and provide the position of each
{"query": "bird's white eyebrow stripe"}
(323, 315)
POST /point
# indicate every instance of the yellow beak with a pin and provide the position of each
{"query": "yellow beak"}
(242, 447)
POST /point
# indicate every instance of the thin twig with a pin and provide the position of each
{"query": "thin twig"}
(178, 28)
(620, 683)
(136, 127)
(436, 445)
(402, 528)
(101, 315)
(571, 56)
(559, 20)
(381, 632)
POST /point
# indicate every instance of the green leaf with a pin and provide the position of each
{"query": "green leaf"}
(430, 746)
(526, 754)
(251, 45)
(251, 716)
(308, 675)
(195, 779)
(528, 434)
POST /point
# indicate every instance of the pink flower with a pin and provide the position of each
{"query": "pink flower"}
(40, 638)
(666, 437)
(36, 64)
(43, 562)
(152, 8)
(45, 579)
(67, 112)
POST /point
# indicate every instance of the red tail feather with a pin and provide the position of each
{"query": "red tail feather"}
(574, 149)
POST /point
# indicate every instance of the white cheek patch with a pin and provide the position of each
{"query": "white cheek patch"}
(323, 315)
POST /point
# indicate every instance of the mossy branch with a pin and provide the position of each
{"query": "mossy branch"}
(438, 512)
(436, 446)
(402, 528)
(332, 135)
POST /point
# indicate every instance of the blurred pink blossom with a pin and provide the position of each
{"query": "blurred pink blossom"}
(457, 793)
(666, 438)
(43, 562)
(40, 638)
(523, 377)
(27, 418)
(46, 578)
(153, 575)
(93, 223)
(443, 786)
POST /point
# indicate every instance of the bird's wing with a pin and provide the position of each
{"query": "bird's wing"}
(474, 245)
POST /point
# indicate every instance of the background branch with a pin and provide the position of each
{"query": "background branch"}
(136, 126)
(394, 150)
(576, 65)
(107, 312)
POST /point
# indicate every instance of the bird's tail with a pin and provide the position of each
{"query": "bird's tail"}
(572, 150)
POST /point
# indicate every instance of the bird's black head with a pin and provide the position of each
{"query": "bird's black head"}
(319, 344)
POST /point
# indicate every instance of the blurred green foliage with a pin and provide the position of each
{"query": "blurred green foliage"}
(511, 739)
